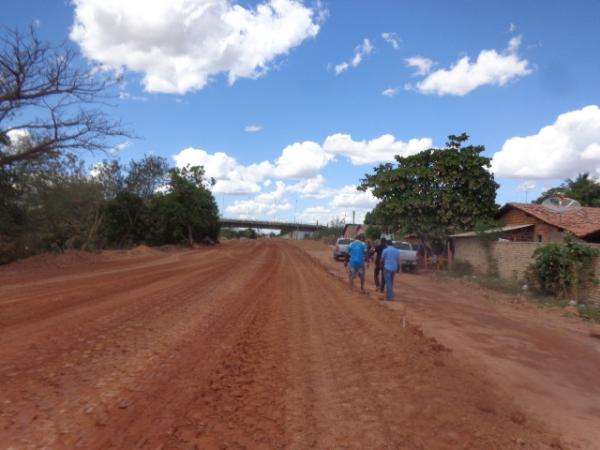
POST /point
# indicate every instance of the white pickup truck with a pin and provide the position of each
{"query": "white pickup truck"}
(340, 250)
(408, 256)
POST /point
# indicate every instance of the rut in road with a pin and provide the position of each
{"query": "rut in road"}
(251, 345)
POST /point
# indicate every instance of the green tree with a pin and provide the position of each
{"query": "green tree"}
(585, 189)
(187, 212)
(435, 192)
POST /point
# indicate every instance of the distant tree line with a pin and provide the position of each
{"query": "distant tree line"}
(52, 107)
(55, 204)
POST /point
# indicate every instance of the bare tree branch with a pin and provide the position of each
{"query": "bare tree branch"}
(46, 93)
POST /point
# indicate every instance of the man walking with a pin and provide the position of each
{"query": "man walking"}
(378, 271)
(356, 254)
(391, 266)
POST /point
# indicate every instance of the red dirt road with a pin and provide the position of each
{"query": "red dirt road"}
(246, 345)
(548, 363)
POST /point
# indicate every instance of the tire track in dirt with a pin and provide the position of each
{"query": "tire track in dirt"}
(252, 347)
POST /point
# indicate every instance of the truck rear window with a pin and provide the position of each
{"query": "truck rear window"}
(402, 246)
(344, 241)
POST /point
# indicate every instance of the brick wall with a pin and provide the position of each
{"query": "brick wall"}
(549, 233)
(513, 259)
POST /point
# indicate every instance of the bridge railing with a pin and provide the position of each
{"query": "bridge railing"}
(262, 223)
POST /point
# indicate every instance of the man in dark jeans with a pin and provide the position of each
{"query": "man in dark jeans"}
(378, 272)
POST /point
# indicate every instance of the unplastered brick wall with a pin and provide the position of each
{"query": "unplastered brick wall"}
(513, 259)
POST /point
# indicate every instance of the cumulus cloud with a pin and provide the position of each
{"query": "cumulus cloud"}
(301, 160)
(252, 128)
(179, 45)
(569, 146)
(19, 139)
(312, 188)
(231, 177)
(390, 92)
(359, 53)
(253, 208)
(392, 39)
(347, 201)
(350, 197)
(381, 149)
(490, 68)
(422, 65)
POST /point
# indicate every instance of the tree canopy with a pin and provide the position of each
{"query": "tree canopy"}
(435, 192)
(585, 189)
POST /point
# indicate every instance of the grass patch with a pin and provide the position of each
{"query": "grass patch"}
(465, 271)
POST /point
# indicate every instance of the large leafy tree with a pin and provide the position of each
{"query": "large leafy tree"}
(435, 192)
(584, 188)
(186, 212)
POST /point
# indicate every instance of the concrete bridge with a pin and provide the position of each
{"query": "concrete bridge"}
(269, 225)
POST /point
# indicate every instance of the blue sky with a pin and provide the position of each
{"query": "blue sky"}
(309, 77)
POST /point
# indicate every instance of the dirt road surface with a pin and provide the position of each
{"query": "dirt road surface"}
(547, 363)
(245, 345)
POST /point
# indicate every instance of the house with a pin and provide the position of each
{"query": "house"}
(525, 222)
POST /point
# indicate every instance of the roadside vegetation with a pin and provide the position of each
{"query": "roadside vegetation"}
(52, 109)
(531, 290)
(55, 204)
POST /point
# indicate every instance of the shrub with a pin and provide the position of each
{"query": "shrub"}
(461, 268)
(565, 269)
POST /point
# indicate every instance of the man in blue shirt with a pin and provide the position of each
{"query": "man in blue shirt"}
(356, 255)
(390, 259)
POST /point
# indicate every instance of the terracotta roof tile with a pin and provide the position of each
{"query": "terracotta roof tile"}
(581, 222)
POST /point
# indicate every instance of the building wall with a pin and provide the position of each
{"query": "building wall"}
(548, 233)
(513, 259)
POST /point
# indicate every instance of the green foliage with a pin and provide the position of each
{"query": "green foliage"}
(186, 212)
(53, 204)
(584, 188)
(373, 232)
(435, 192)
(124, 223)
(329, 234)
(565, 269)
(248, 233)
(461, 268)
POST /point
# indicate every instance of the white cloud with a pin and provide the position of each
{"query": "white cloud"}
(19, 139)
(347, 201)
(179, 45)
(392, 39)
(381, 149)
(312, 188)
(231, 177)
(301, 160)
(512, 28)
(526, 186)
(491, 68)
(390, 92)
(359, 53)
(120, 147)
(350, 197)
(422, 65)
(273, 196)
(252, 128)
(265, 204)
(569, 146)
(255, 209)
